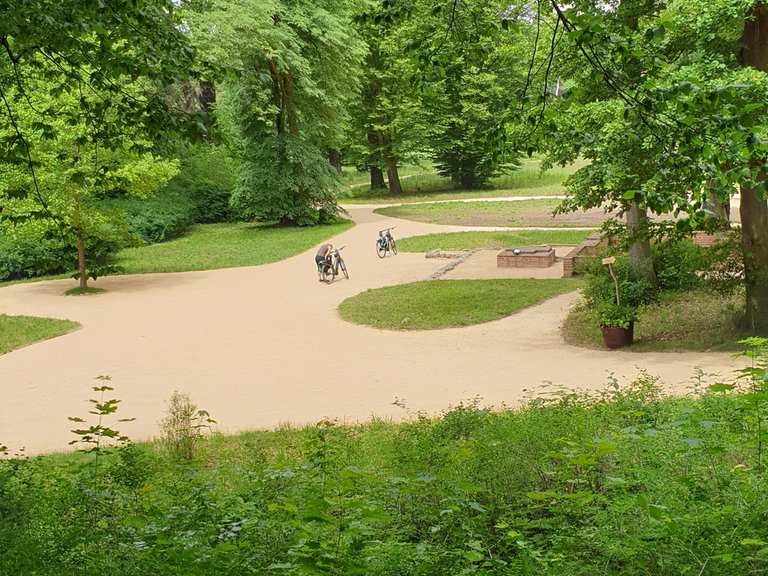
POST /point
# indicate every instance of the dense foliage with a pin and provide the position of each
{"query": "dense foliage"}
(297, 68)
(83, 107)
(668, 101)
(622, 483)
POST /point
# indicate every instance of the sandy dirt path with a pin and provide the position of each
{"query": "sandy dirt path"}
(261, 346)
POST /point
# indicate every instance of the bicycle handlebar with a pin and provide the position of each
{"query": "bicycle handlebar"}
(387, 229)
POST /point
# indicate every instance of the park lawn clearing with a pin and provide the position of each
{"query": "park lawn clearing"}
(213, 246)
(18, 331)
(427, 185)
(696, 321)
(489, 240)
(361, 181)
(436, 304)
(426, 182)
(495, 213)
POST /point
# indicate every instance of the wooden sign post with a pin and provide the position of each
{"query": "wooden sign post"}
(609, 261)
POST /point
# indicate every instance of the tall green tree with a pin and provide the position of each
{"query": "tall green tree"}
(472, 74)
(690, 78)
(83, 90)
(754, 204)
(598, 121)
(75, 170)
(388, 118)
(295, 68)
(98, 48)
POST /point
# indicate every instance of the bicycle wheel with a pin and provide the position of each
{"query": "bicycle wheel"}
(381, 250)
(328, 273)
(393, 246)
(343, 268)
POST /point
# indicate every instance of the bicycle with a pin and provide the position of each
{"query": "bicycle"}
(333, 263)
(386, 243)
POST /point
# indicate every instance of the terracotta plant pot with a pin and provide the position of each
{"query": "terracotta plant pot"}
(617, 337)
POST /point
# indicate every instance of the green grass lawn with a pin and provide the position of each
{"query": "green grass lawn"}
(490, 240)
(495, 213)
(690, 321)
(18, 331)
(211, 246)
(447, 303)
(423, 184)
(351, 177)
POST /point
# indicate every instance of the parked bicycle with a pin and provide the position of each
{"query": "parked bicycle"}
(386, 243)
(334, 264)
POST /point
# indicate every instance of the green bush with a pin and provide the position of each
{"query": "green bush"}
(161, 217)
(211, 203)
(678, 264)
(32, 251)
(199, 194)
(28, 257)
(208, 176)
(599, 288)
(287, 181)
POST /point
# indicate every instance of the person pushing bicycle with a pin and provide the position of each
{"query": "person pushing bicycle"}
(320, 258)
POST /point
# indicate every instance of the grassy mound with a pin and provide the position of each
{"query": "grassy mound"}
(448, 303)
(18, 331)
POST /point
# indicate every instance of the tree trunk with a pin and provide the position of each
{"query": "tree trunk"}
(377, 177)
(467, 180)
(754, 206)
(334, 157)
(395, 188)
(81, 264)
(374, 160)
(721, 210)
(640, 256)
(754, 240)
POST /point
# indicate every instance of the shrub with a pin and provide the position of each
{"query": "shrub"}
(183, 426)
(211, 203)
(207, 178)
(678, 264)
(600, 289)
(40, 249)
(161, 217)
(287, 181)
(624, 482)
(724, 264)
(200, 193)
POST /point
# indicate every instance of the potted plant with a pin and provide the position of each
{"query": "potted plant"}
(617, 323)
(613, 295)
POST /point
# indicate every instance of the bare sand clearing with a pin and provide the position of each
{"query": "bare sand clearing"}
(262, 346)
